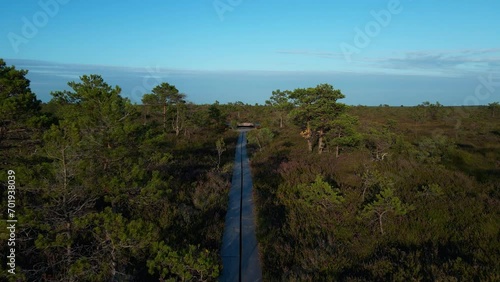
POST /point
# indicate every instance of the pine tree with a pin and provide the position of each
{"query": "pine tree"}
(316, 109)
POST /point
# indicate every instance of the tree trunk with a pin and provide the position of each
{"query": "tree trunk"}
(380, 216)
(165, 116)
(307, 134)
(113, 256)
(145, 112)
(364, 192)
(69, 249)
(176, 123)
(281, 121)
(380, 223)
(321, 142)
(337, 147)
(177, 129)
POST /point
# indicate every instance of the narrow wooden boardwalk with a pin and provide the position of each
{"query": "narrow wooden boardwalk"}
(240, 255)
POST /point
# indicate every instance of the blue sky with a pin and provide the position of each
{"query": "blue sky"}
(377, 52)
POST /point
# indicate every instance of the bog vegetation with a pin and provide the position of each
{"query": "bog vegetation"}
(110, 190)
(378, 193)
